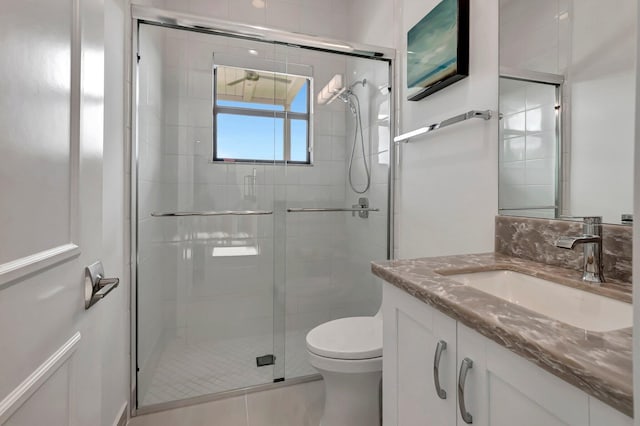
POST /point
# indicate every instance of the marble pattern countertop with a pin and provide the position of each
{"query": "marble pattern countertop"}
(600, 364)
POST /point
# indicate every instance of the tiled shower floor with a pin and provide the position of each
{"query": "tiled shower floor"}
(207, 367)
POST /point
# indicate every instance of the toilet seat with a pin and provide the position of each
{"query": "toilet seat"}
(355, 338)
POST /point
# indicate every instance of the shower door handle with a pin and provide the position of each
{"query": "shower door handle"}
(330, 209)
(214, 213)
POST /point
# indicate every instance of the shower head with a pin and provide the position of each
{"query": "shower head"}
(344, 96)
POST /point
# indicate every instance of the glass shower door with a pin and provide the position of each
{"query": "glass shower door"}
(232, 141)
(206, 247)
(328, 248)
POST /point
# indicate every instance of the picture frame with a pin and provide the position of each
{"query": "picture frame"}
(438, 49)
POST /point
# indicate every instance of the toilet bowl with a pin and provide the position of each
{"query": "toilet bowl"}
(348, 354)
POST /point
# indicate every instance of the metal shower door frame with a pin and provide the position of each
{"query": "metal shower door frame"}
(158, 17)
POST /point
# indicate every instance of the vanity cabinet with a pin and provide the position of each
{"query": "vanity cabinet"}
(501, 388)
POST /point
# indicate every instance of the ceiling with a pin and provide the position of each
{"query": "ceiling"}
(241, 84)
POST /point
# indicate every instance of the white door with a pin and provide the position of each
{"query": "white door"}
(51, 129)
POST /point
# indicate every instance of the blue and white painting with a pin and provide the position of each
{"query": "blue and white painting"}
(432, 46)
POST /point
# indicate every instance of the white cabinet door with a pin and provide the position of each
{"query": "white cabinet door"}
(51, 121)
(504, 389)
(412, 332)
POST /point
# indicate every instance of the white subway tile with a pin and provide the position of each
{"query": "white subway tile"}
(541, 145)
(540, 172)
(513, 149)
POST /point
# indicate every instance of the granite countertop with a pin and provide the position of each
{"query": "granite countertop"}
(599, 363)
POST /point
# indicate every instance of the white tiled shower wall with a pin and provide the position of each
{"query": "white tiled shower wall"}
(367, 238)
(528, 148)
(240, 289)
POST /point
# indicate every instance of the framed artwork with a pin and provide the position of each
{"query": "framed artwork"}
(438, 49)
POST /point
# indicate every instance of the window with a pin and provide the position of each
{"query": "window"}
(260, 116)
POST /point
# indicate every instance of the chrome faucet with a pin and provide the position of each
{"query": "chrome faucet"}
(591, 240)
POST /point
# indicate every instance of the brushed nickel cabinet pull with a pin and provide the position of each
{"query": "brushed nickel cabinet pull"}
(466, 365)
(442, 345)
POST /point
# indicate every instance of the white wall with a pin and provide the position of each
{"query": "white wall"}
(323, 18)
(446, 183)
(602, 78)
(547, 25)
(374, 22)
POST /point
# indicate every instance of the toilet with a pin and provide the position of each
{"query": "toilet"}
(348, 354)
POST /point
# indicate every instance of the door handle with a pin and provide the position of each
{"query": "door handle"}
(96, 287)
(466, 365)
(442, 345)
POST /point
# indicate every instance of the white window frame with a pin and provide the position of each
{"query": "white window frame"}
(287, 117)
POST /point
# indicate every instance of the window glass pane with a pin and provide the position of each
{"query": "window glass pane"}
(252, 107)
(246, 137)
(300, 101)
(298, 140)
(240, 104)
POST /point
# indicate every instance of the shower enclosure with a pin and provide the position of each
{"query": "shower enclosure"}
(261, 194)
(530, 155)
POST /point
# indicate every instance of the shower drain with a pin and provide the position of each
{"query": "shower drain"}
(264, 360)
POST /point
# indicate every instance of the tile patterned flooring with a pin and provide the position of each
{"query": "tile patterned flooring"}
(207, 367)
(296, 405)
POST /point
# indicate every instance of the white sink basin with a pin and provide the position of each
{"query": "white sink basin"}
(569, 305)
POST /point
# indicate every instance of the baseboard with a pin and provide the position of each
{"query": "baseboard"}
(122, 419)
